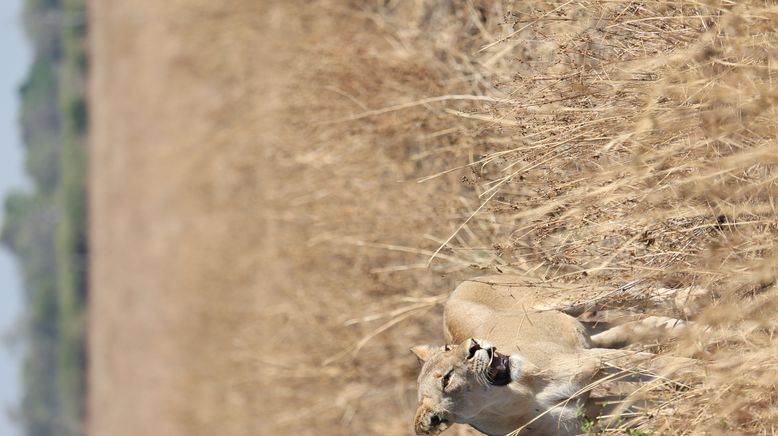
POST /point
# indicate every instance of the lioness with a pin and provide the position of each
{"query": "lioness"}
(537, 379)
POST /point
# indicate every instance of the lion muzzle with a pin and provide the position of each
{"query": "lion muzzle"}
(428, 422)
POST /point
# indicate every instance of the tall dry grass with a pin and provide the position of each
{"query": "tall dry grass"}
(604, 142)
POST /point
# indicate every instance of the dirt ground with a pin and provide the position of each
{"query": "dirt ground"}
(230, 250)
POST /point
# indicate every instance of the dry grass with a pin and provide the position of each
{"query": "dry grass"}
(597, 141)
(411, 144)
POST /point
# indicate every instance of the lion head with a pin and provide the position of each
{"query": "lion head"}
(460, 382)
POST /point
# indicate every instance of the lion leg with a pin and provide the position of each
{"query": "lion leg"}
(649, 328)
(627, 366)
(625, 376)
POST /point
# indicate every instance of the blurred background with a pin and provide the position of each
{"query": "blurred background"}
(17, 52)
(236, 217)
(43, 235)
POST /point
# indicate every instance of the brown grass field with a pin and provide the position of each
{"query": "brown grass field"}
(282, 194)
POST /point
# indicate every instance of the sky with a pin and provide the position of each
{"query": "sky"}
(16, 55)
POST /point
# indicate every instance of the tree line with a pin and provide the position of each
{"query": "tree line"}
(45, 227)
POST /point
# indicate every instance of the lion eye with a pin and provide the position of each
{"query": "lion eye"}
(447, 348)
(446, 379)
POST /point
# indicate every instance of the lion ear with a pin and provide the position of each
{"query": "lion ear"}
(424, 352)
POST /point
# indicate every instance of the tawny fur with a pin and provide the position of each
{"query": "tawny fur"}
(552, 360)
